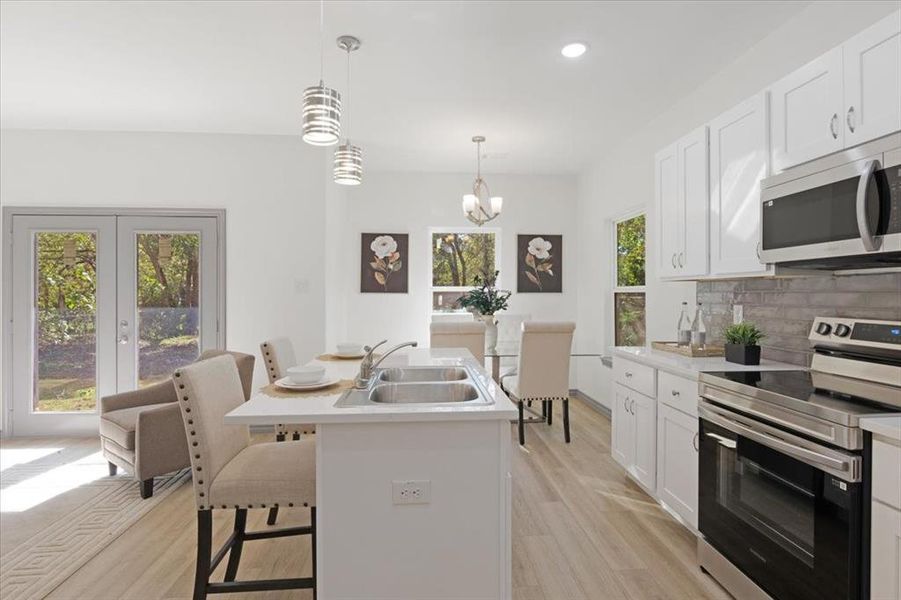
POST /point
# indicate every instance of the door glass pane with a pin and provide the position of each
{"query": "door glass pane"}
(168, 299)
(65, 297)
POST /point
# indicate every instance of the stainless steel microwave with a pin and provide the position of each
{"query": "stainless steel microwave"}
(842, 211)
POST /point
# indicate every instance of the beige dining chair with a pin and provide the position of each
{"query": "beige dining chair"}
(231, 473)
(462, 334)
(509, 331)
(542, 372)
(141, 432)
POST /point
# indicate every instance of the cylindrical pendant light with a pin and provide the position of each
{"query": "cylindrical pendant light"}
(348, 168)
(321, 104)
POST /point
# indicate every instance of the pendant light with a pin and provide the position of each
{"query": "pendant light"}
(480, 206)
(348, 158)
(321, 104)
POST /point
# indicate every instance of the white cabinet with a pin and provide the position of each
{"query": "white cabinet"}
(739, 159)
(681, 199)
(634, 437)
(806, 109)
(677, 462)
(885, 553)
(872, 82)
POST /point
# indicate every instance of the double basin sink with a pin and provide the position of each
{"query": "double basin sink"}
(417, 385)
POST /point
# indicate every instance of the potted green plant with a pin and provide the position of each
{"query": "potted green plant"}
(741, 343)
(486, 300)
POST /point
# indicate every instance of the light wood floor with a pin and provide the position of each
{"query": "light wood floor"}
(581, 530)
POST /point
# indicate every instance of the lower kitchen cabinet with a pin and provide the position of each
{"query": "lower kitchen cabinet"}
(677, 462)
(634, 435)
(885, 554)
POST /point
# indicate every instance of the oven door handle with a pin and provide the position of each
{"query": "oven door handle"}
(870, 243)
(847, 469)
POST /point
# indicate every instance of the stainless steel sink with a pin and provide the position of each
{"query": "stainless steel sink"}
(423, 374)
(423, 393)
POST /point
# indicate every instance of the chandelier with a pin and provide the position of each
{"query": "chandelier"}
(480, 206)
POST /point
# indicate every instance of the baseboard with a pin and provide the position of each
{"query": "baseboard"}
(591, 402)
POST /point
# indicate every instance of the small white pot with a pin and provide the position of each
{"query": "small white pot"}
(490, 333)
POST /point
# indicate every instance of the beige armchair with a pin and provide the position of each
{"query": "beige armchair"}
(543, 372)
(465, 334)
(141, 431)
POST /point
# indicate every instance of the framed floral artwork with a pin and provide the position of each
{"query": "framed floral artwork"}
(539, 264)
(383, 263)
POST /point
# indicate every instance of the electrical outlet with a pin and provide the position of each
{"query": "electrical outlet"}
(738, 314)
(411, 492)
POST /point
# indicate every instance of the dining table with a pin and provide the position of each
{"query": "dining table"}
(510, 350)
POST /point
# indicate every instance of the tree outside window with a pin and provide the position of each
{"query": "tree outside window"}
(458, 258)
(629, 282)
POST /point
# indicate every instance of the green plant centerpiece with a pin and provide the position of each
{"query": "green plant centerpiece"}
(486, 300)
(742, 343)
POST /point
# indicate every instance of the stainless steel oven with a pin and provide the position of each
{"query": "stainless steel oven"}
(783, 486)
(839, 212)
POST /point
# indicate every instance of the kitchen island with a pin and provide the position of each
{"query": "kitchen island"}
(413, 499)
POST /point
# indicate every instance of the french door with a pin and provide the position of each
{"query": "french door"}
(105, 304)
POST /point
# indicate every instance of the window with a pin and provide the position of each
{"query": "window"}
(629, 281)
(458, 258)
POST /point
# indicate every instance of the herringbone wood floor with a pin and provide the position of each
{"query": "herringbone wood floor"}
(581, 530)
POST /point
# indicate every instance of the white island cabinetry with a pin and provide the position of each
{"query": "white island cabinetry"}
(885, 507)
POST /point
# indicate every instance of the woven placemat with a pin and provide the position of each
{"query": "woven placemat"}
(280, 392)
(329, 357)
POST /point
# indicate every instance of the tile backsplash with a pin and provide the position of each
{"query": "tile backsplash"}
(784, 308)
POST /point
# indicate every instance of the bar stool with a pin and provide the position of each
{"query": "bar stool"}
(231, 473)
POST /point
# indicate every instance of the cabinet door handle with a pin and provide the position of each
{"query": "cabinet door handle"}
(681, 255)
(832, 123)
(674, 260)
(628, 374)
(850, 118)
(625, 406)
(694, 442)
(757, 250)
(674, 393)
(632, 406)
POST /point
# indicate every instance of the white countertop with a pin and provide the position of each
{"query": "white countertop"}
(885, 425)
(691, 367)
(267, 410)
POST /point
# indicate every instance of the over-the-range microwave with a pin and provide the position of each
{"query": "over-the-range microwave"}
(842, 211)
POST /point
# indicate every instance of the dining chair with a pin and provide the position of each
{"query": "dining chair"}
(462, 334)
(509, 330)
(542, 372)
(231, 473)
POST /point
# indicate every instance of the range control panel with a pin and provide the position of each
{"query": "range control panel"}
(842, 331)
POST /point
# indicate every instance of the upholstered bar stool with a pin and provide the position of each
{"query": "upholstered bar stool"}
(465, 334)
(543, 372)
(231, 473)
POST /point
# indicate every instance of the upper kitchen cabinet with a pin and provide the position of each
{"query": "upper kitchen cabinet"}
(681, 198)
(850, 95)
(739, 159)
(806, 109)
(872, 81)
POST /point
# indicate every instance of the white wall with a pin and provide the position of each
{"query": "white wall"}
(273, 189)
(414, 202)
(624, 177)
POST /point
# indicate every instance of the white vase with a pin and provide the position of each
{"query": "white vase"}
(490, 333)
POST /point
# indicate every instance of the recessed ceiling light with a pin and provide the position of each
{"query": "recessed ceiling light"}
(574, 50)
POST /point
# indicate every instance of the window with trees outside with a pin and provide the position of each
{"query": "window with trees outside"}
(459, 260)
(629, 281)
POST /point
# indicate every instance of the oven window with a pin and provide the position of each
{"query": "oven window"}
(766, 500)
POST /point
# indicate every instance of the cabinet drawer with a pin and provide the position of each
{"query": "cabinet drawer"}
(887, 473)
(678, 392)
(635, 376)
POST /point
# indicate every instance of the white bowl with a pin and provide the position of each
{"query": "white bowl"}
(302, 375)
(350, 348)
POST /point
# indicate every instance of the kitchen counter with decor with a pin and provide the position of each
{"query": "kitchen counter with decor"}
(685, 366)
(405, 479)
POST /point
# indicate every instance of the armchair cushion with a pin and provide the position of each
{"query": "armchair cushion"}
(270, 473)
(120, 425)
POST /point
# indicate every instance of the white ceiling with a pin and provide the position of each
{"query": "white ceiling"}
(428, 77)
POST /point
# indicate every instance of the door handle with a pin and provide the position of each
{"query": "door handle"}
(632, 406)
(123, 332)
(674, 260)
(674, 393)
(694, 442)
(863, 224)
(832, 123)
(757, 249)
(123, 339)
(681, 255)
(849, 119)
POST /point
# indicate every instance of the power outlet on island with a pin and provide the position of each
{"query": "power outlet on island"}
(411, 492)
